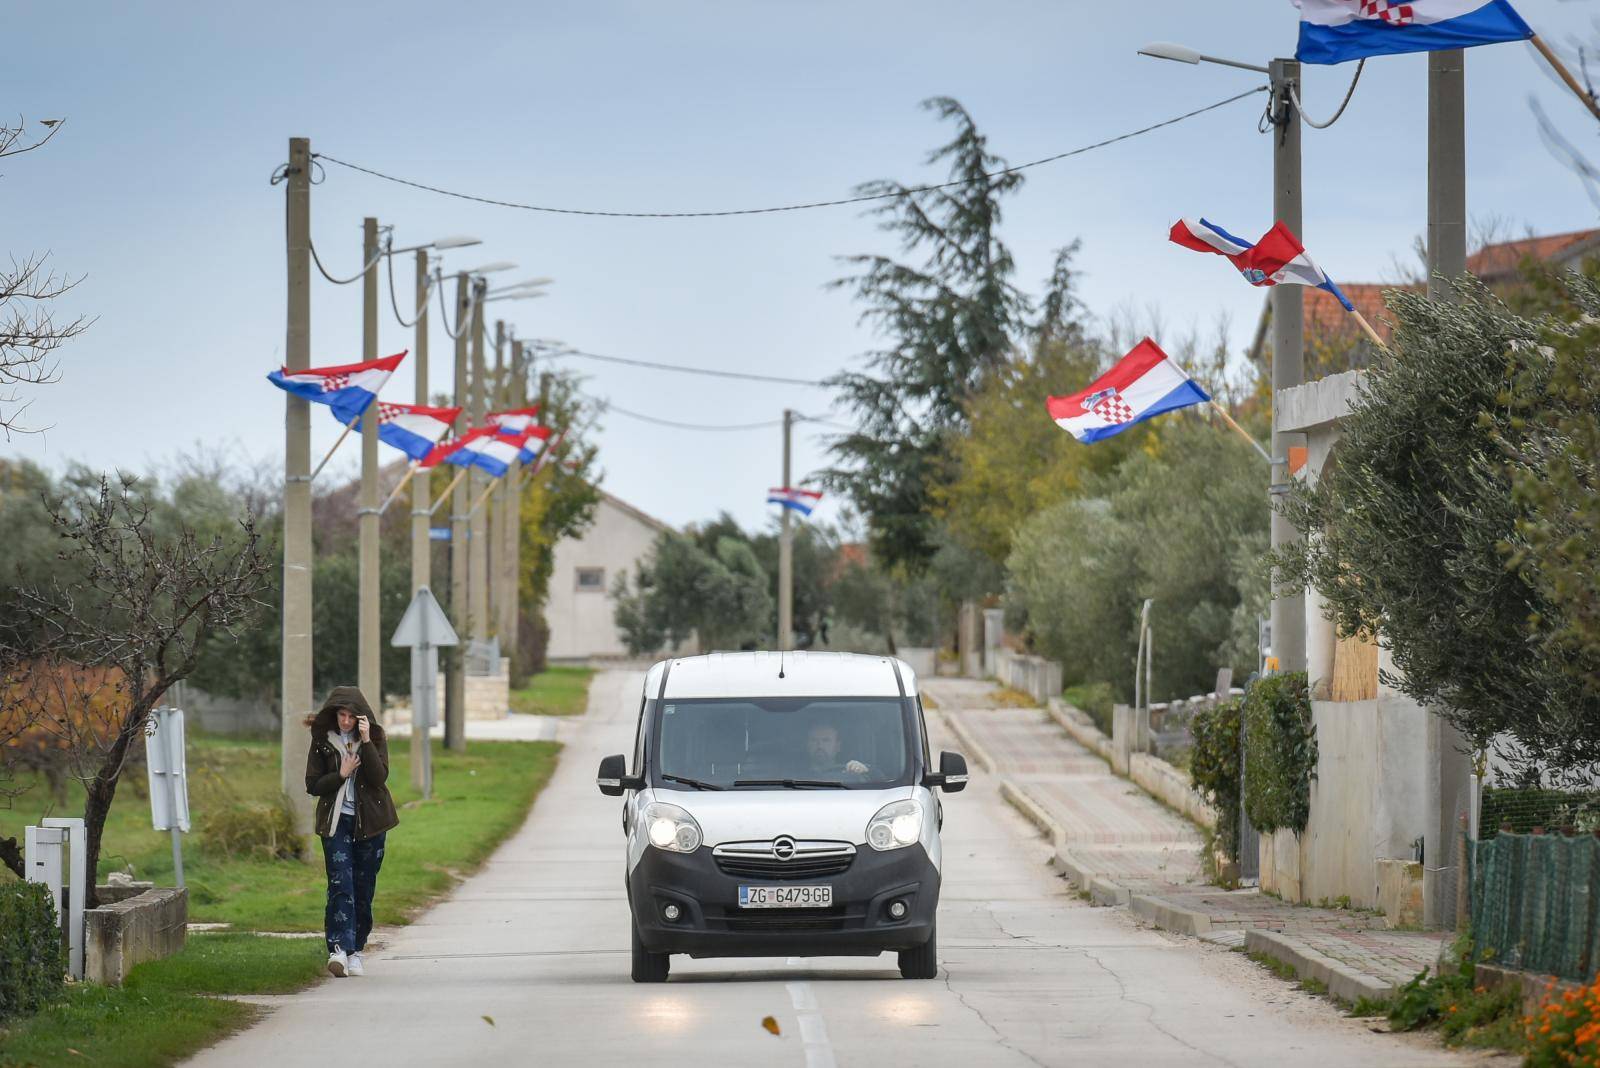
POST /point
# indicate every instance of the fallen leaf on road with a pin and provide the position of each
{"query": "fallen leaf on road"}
(770, 1024)
(489, 1020)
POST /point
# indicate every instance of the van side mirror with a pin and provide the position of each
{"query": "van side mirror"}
(952, 774)
(613, 777)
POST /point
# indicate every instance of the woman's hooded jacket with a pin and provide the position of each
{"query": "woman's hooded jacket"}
(374, 807)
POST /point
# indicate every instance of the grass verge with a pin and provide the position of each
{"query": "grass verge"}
(555, 691)
(170, 1008)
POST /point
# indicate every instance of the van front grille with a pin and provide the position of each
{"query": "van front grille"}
(795, 868)
(784, 920)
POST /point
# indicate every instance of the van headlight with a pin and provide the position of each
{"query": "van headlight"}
(671, 828)
(897, 825)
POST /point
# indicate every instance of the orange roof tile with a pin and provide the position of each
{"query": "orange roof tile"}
(1504, 257)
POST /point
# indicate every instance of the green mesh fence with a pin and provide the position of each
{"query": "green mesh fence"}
(1523, 810)
(1535, 903)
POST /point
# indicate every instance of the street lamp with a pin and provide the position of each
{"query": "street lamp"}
(1288, 314)
(491, 268)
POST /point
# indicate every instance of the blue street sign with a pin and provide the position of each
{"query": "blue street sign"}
(439, 533)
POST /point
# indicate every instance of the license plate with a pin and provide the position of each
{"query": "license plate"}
(785, 897)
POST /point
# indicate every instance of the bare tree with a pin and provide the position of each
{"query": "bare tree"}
(93, 655)
(29, 332)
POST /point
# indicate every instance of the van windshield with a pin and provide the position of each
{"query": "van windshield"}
(794, 742)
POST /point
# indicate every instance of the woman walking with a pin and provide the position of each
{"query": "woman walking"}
(346, 771)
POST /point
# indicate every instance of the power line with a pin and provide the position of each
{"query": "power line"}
(790, 207)
(689, 426)
(685, 369)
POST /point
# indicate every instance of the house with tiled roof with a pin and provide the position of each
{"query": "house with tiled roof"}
(1335, 341)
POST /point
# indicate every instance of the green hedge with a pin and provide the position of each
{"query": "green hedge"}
(1526, 809)
(1214, 767)
(31, 961)
(1280, 752)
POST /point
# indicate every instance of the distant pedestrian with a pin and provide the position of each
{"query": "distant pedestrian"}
(346, 771)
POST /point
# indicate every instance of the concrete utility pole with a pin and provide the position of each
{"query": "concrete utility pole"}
(478, 526)
(515, 396)
(786, 550)
(455, 697)
(294, 694)
(1449, 764)
(495, 506)
(1288, 352)
(368, 640)
(421, 542)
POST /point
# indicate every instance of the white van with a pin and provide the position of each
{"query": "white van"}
(782, 804)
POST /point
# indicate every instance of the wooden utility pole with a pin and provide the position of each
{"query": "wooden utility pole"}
(368, 640)
(786, 549)
(455, 696)
(295, 688)
(421, 541)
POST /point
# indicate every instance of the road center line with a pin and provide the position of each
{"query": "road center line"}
(813, 1032)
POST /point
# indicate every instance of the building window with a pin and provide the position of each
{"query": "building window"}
(591, 579)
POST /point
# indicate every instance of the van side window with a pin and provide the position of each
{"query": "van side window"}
(638, 739)
(922, 721)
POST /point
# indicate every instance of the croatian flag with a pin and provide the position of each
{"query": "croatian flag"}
(532, 442)
(485, 448)
(1277, 259)
(347, 389)
(1336, 31)
(414, 429)
(801, 500)
(1143, 384)
(513, 420)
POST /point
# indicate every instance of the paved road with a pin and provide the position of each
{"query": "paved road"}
(538, 941)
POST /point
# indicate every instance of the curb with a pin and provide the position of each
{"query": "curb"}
(1342, 981)
(980, 755)
(1031, 810)
(1102, 890)
(1086, 735)
(1169, 917)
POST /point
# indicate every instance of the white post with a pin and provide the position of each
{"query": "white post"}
(77, 888)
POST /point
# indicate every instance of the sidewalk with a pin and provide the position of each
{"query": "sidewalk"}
(1121, 847)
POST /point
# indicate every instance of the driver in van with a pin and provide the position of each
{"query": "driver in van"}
(822, 747)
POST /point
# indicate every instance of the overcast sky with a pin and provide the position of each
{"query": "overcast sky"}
(157, 188)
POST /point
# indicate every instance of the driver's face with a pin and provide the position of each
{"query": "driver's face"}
(823, 744)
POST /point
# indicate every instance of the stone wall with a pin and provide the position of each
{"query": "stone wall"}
(121, 933)
(1033, 675)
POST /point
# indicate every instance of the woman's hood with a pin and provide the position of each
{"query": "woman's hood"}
(351, 697)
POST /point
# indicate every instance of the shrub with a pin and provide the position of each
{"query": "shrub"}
(1566, 1029)
(1280, 752)
(31, 961)
(1095, 699)
(1214, 767)
(1465, 1014)
(265, 831)
(1527, 809)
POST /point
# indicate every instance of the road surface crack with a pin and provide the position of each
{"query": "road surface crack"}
(1150, 1012)
(1004, 1041)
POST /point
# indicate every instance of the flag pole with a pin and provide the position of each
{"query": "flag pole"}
(346, 433)
(446, 494)
(1373, 334)
(413, 469)
(1566, 75)
(490, 488)
(1243, 433)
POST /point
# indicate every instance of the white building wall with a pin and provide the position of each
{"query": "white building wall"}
(581, 618)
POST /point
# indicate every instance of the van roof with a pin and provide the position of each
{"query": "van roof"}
(805, 674)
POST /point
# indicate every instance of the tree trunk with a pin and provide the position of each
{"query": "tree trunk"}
(102, 790)
(11, 856)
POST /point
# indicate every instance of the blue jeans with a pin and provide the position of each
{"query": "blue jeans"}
(352, 865)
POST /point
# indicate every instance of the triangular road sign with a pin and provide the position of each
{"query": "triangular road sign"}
(424, 624)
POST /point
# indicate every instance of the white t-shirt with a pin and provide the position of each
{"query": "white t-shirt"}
(348, 740)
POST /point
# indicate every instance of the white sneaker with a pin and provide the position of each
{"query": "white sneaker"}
(354, 966)
(338, 963)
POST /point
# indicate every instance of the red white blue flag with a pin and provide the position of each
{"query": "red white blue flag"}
(800, 500)
(513, 420)
(348, 389)
(1336, 31)
(531, 443)
(485, 448)
(414, 429)
(1277, 259)
(1143, 384)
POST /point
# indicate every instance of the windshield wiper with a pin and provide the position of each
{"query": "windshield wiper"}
(696, 783)
(788, 784)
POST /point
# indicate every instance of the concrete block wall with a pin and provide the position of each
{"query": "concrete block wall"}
(1033, 675)
(147, 926)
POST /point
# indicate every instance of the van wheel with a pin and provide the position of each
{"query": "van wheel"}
(648, 967)
(922, 962)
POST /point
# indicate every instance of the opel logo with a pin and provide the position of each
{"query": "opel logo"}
(783, 847)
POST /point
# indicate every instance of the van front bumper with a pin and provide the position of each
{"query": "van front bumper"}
(711, 923)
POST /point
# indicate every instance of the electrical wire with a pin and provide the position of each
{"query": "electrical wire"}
(462, 320)
(911, 191)
(1294, 94)
(765, 425)
(685, 369)
(422, 305)
(343, 281)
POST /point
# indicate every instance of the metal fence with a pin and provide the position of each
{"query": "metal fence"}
(1535, 904)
